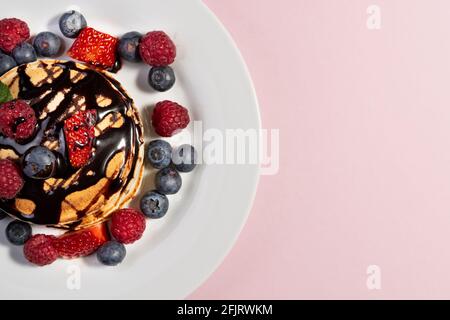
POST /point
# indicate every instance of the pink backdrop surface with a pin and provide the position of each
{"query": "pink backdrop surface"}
(364, 119)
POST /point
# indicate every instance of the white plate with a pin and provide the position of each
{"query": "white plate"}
(180, 251)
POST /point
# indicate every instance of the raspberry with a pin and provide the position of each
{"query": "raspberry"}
(127, 225)
(12, 32)
(157, 49)
(79, 131)
(81, 243)
(17, 120)
(169, 118)
(40, 250)
(95, 47)
(11, 181)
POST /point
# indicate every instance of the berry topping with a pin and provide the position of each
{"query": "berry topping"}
(24, 53)
(129, 46)
(39, 163)
(18, 232)
(12, 32)
(185, 158)
(154, 205)
(17, 120)
(81, 243)
(127, 225)
(6, 63)
(40, 250)
(161, 78)
(159, 154)
(95, 47)
(169, 118)
(111, 253)
(168, 181)
(71, 23)
(11, 181)
(157, 49)
(48, 44)
(79, 133)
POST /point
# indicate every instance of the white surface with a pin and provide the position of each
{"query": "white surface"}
(180, 251)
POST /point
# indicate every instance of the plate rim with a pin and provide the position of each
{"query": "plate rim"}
(233, 240)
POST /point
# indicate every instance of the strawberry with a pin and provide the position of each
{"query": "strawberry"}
(95, 47)
(79, 133)
(81, 243)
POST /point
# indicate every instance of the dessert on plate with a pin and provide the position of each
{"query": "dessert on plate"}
(72, 141)
(77, 194)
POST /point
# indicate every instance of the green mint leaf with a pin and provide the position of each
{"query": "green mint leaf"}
(5, 94)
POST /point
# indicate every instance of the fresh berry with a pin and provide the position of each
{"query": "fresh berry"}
(168, 181)
(48, 44)
(154, 205)
(159, 154)
(3, 214)
(17, 120)
(11, 181)
(39, 163)
(24, 53)
(40, 250)
(169, 118)
(12, 32)
(111, 253)
(129, 46)
(18, 232)
(95, 47)
(81, 243)
(127, 225)
(185, 158)
(80, 133)
(71, 23)
(161, 78)
(6, 63)
(157, 49)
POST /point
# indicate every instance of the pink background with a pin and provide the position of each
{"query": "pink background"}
(365, 150)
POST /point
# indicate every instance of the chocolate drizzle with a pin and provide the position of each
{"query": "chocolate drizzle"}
(126, 138)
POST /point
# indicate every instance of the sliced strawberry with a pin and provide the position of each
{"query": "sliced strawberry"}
(81, 243)
(95, 47)
(79, 131)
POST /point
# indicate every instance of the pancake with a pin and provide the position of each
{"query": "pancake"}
(75, 198)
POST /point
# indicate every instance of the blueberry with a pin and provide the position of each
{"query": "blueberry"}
(161, 78)
(111, 253)
(129, 46)
(39, 163)
(47, 44)
(18, 232)
(6, 63)
(71, 23)
(24, 53)
(159, 154)
(185, 158)
(168, 181)
(154, 205)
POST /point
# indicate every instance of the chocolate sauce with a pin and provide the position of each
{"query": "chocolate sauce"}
(116, 67)
(17, 123)
(127, 138)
